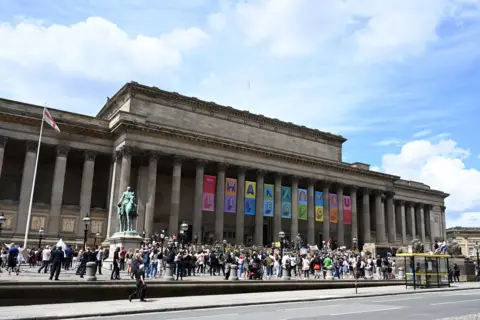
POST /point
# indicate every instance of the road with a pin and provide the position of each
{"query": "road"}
(434, 305)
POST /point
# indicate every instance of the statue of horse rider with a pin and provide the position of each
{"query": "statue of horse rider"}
(127, 210)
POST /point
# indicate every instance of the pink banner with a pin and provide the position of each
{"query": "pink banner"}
(208, 196)
(347, 210)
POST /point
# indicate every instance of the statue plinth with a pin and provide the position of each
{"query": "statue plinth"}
(127, 240)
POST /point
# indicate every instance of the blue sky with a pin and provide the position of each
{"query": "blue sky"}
(399, 79)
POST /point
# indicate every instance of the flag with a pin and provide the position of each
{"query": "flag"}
(49, 119)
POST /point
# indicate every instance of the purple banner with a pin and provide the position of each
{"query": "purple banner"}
(230, 195)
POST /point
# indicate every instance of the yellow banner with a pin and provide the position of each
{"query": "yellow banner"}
(319, 213)
(250, 190)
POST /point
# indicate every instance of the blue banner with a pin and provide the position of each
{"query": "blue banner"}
(286, 202)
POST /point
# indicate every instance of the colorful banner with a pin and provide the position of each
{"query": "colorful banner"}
(332, 197)
(318, 206)
(268, 200)
(230, 195)
(347, 210)
(286, 202)
(250, 197)
(302, 204)
(208, 196)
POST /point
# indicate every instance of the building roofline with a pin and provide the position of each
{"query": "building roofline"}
(132, 86)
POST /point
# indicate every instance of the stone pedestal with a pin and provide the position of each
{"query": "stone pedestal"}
(329, 274)
(91, 271)
(233, 272)
(168, 276)
(285, 274)
(127, 240)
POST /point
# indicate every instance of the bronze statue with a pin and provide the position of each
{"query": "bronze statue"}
(127, 211)
(417, 247)
(454, 249)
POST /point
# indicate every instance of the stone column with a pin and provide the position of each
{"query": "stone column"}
(294, 222)
(421, 213)
(220, 202)
(311, 212)
(392, 232)
(379, 217)
(86, 189)
(326, 212)
(277, 216)
(57, 191)
(353, 196)
(366, 215)
(258, 235)
(27, 184)
(340, 226)
(126, 154)
(3, 144)
(175, 197)
(197, 200)
(151, 192)
(240, 215)
(113, 225)
(400, 211)
(443, 223)
(141, 198)
(411, 219)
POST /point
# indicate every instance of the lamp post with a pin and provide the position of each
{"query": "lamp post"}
(162, 238)
(183, 231)
(281, 234)
(40, 236)
(224, 246)
(477, 247)
(97, 235)
(86, 220)
(355, 275)
(2, 221)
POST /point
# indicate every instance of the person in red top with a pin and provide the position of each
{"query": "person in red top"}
(122, 255)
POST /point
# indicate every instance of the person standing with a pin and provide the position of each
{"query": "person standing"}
(57, 256)
(68, 257)
(45, 259)
(141, 287)
(116, 265)
(100, 255)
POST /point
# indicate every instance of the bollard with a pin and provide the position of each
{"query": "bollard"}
(91, 271)
(400, 273)
(168, 272)
(329, 275)
(285, 274)
(233, 272)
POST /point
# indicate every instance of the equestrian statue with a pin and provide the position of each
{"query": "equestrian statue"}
(127, 211)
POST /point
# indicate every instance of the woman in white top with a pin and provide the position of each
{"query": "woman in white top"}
(306, 267)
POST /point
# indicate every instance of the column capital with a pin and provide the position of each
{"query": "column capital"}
(90, 155)
(125, 151)
(378, 193)
(222, 166)
(32, 146)
(241, 169)
(429, 206)
(327, 183)
(390, 194)
(201, 163)
(401, 202)
(278, 176)
(419, 205)
(62, 151)
(409, 203)
(294, 178)
(260, 172)
(311, 181)
(365, 191)
(352, 188)
(154, 155)
(339, 185)
(443, 208)
(178, 159)
(3, 141)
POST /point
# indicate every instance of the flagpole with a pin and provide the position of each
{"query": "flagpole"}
(29, 215)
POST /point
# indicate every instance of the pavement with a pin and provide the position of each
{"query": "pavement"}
(402, 303)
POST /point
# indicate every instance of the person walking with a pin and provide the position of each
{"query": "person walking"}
(57, 256)
(45, 259)
(116, 265)
(141, 287)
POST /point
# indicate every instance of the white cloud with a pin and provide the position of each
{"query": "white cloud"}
(467, 219)
(95, 48)
(422, 133)
(375, 30)
(440, 165)
(388, 142)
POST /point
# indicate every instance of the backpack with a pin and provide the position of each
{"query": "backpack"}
(268, 261)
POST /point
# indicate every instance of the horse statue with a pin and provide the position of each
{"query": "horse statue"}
(417, 247)
(127, 211)
(453, 249)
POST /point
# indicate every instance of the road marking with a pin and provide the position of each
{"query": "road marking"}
(312, 307)
(207, 316)
(364, 311)
(389, 300)
(450, 302)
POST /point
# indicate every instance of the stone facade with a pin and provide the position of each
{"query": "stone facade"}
(162, 143)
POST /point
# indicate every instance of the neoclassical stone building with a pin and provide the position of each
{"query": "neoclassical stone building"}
(163, 143)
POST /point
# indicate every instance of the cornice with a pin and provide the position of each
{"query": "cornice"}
(226, 112)
(430, 192)
(201, 139)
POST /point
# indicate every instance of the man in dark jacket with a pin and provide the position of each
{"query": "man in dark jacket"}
(56, 257)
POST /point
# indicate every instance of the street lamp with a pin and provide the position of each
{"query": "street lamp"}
(183, 231)
(224, 246)
(40, 235)
(2, 221)
(97, 235)
(87, 221)
(281, 234)
(162, 238)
